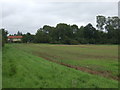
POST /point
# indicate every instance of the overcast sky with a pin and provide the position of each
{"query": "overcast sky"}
(30, 15)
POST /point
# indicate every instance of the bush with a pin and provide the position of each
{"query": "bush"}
(71, 42)
(75, 42)
(83, 41)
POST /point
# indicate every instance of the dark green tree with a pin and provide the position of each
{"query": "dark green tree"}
(50, 33)
(100, 22)
(4, 36)
(64, 33)
(28, 38)
(19, 33)
(112, 28)
(89, 33)
(42, 37)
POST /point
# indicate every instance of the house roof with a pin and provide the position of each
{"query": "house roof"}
(15, 37)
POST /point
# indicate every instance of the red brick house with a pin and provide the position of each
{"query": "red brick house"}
(15, 38)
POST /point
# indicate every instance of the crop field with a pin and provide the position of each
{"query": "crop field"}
(60, 66)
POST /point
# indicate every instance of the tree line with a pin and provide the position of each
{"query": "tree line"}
(107, 32)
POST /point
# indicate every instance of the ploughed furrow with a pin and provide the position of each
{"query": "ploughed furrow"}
(106, 74)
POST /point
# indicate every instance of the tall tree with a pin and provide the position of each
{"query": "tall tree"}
(100, 22)
(4, 36)
(89, 33)
(50, 32)
(112, 28)
(42, 37)
(74, 28)
(28, 38)
(64, 32)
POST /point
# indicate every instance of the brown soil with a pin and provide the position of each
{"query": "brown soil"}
(106, 74)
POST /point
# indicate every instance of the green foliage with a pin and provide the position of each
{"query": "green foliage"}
(71, 34)
(4, 36)
(101, 20)
(28, 38)
(70, 41)
(42, 37)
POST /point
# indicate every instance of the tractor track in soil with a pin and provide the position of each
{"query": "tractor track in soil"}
(106, 74)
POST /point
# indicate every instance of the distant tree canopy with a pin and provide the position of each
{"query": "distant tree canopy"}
(107, 32)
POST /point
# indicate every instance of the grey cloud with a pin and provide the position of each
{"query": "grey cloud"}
(29, 16)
